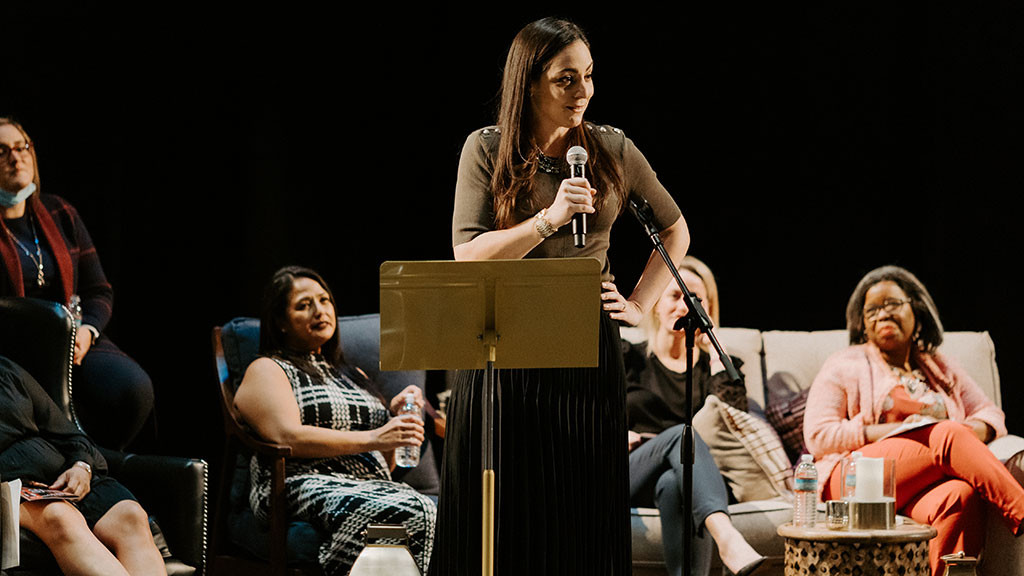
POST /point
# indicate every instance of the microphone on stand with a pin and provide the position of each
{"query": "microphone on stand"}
(645, 214)
(577, 159)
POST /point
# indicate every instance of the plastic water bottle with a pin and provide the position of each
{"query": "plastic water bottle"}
(408, 456)
(805, 510)
(850, 476)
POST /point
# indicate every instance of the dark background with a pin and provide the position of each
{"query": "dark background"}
(206, 147)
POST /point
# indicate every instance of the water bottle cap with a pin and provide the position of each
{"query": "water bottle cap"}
(410, 398)
(806, 458)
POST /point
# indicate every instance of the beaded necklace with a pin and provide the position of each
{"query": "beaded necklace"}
(548, 164)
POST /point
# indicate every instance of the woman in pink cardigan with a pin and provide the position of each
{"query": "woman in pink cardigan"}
(891, 375)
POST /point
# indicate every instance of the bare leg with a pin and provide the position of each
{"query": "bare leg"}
(733, 548)
(125, 530)
(64, 531)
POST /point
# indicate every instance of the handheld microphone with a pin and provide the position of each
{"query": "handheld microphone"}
(577, 159)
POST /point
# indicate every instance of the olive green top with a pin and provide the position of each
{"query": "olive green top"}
(474, 203)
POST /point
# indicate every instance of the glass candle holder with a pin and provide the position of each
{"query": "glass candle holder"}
(873, 505)
(837, 514)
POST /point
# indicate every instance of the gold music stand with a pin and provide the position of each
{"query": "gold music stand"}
(534, 313)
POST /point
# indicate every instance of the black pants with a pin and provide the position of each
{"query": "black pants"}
(112, 395)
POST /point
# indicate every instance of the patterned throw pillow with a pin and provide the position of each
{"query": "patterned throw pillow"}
(747, 451)
(787, 417)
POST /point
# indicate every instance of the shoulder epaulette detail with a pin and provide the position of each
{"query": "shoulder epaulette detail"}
(603, 129)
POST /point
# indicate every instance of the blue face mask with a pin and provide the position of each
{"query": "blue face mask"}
(8, 200)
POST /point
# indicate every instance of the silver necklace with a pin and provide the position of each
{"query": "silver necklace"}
(36, 259)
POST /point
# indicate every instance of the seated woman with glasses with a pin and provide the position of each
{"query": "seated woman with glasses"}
(46, 252)
(893, 375)
(102, 531)
(301, 393)
(655, 380)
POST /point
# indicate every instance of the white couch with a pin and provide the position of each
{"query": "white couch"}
(780, 363)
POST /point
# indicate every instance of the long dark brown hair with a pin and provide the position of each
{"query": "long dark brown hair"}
(511, 183)
(273, 323)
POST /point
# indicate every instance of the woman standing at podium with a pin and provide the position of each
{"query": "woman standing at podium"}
(561, 466)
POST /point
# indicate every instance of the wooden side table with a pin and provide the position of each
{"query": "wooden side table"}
(818, 551)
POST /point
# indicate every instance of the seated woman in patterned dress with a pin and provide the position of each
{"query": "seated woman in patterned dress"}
(302, 393)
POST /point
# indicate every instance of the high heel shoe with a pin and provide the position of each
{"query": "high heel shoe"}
(749, 568)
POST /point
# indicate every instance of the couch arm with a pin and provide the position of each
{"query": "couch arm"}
(1006, 446)
(174, 491)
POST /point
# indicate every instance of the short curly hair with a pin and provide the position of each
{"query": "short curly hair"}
(929, 334)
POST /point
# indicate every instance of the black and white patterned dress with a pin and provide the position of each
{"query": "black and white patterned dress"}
(341, 495)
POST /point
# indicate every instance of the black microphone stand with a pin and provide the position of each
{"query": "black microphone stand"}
(696, 319)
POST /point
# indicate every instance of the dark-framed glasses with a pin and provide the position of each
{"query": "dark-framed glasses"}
(22, 148)
(888, 306)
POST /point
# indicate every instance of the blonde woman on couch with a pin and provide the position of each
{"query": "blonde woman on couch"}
(655, 376)
(892, 374)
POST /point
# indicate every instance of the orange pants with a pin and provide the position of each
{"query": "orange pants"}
(944, 476)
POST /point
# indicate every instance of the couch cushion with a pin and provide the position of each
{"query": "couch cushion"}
(747, 450)
(745, 344)
(786, 415)
(793, 359)
(976, 354)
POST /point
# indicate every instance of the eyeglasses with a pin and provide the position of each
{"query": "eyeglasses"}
(889, 306)
(5, 150)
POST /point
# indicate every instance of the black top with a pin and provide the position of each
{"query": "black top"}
(37, 442)
(655, 394)
(27, 232)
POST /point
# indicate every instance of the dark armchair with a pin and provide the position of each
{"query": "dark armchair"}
(39, 336)
(242, 545)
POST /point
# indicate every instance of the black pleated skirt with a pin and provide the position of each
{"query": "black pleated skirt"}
(561, 471)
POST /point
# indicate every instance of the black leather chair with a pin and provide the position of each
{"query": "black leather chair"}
(39, 335)
(240, 544)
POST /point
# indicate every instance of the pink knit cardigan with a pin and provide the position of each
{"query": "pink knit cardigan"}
(849, 391)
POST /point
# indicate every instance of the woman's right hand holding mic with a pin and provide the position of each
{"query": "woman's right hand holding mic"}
(574, 196)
